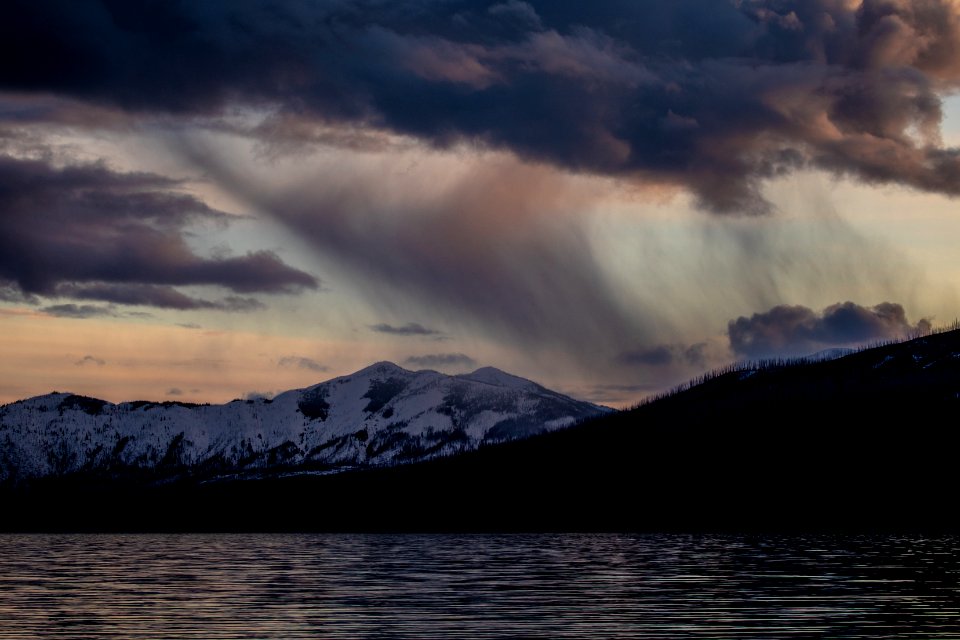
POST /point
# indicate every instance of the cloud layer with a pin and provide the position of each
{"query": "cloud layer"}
(716, 95)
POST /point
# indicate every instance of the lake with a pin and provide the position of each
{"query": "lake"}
(478, 586)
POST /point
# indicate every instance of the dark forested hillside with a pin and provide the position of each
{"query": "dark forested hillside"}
(867, 441)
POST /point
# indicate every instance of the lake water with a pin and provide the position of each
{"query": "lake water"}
(478, 586)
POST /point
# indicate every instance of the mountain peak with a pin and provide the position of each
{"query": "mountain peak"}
(49, 400)
(496, 377)
(384, 367)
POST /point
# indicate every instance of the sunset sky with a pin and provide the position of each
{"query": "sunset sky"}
(205, 200)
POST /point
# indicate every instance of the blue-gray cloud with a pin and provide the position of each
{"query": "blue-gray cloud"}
(89, 233)
(797, 330)
(159, 296)
(79, 311)
(409, 329)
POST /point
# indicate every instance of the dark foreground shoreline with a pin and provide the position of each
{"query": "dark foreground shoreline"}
(484, 493)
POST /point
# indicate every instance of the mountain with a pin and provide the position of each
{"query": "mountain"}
(381, 415)
(865, 442)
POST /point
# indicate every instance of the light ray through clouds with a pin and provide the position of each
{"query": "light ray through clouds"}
(590, 195)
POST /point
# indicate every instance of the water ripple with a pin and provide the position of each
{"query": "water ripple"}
(220, 587)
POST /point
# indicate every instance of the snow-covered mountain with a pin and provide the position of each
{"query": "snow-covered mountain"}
(381, 415)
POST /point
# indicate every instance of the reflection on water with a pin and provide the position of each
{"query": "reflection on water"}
(478, 586)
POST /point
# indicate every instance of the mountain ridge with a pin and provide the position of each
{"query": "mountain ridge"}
(476, 375)
(863, 443)
(381, 414)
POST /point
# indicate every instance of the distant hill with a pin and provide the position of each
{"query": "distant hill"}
(863, 442)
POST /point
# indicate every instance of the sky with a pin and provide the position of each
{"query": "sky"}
(216, 200)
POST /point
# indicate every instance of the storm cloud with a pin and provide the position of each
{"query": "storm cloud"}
(797, 330)
(435, 153)
(86, 232)
(714, 95)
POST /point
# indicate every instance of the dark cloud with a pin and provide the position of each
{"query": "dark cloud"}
(162, 297)
(798, 330)
(85, 360)
(86, 232)
(442, 361)
(174, 391)
(717, 95)
(521, 13)
(302, 363)
(666, 354)
(79, 311)
(10, 292)
(409, 329)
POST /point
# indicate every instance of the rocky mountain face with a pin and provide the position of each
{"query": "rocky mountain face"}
(381, 415)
